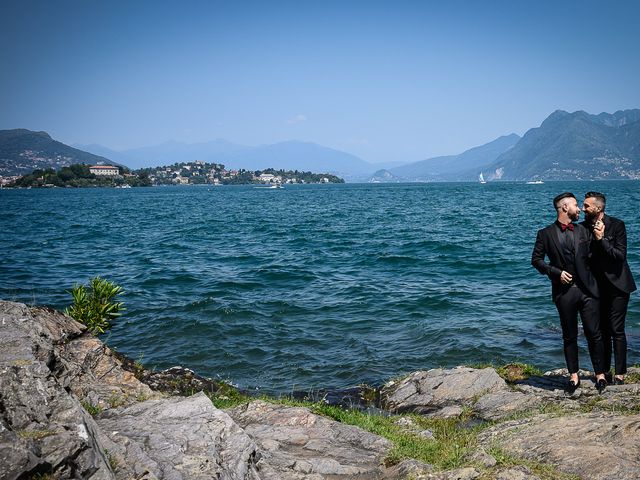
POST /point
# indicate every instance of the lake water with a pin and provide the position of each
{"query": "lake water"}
(312, 285)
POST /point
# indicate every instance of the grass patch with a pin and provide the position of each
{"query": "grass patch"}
(510, 372)
(227, 396)
(513, 372)
(633, 377)
(542, 470)
(113, 463)
(21, 362)
(479, 365)
(116, 400)
(35, 434)
(92, 409)
(446, 450)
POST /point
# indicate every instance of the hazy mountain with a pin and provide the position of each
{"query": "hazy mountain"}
(296, 155)
(572, 146)
(167, 153)
(103, 152)
(291, 155)
(22, 151)
(384, 176)
(446, 167)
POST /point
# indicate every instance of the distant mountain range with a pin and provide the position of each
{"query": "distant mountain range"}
(23, 151)
(448, 167)
(566, 146)
(292, 155)
(574, 146)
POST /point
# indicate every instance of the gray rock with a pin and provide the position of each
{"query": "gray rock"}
(466, 473)
(597, 446)
(516, 473)
(93, 373)
(451, 411)
(410, 468)
(177, 438)
(495, 406)
(43, 429)
(481, 457)
(409, 425)
(296, 443)
(406, 422)
(432, 390)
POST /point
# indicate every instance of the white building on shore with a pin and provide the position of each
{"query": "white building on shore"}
(104, 170)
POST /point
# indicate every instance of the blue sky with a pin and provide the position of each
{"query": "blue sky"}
(387, 81)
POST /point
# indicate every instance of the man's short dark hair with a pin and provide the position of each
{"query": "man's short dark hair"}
(560, 197)
(598, 196)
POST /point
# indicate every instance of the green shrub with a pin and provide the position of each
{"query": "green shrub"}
(95, 305)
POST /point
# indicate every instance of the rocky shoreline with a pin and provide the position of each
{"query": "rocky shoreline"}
(72, 408)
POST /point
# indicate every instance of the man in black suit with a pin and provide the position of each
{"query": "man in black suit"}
(573, 287)
(614, 279)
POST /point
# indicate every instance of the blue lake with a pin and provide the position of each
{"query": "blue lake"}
(311, 285)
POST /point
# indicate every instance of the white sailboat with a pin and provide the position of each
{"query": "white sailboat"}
(481, 178)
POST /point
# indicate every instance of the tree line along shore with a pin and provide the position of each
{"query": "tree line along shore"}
(185, 173)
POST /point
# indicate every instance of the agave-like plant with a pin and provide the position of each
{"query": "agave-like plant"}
(95, 307)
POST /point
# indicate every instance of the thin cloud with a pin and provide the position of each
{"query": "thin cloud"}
(299, 118)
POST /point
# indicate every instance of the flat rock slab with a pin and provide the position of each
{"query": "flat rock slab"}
(495, 406)
(295, 443)
(596, 446)
(177, 438)
(433, 390)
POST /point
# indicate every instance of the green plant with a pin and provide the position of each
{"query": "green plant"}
(633, 377)
(227, 396)
(512, 372)
(92, 409)
(113, 462)
(95, 305)
(116, 400)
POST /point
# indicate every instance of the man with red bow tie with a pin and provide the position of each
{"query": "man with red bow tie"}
(574, 288)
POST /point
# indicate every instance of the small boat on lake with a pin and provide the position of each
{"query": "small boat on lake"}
(535, 182)
(481, 178)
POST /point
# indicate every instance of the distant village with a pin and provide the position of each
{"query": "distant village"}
(199, 172)
(185, 173)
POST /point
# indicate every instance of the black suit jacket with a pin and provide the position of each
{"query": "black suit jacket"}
(610, 255)
(548, 244)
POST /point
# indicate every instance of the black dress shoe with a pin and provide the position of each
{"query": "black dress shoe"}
(601, 384)
(572, 386)
(618, 381)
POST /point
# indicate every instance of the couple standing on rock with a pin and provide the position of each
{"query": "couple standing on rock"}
(589, 275)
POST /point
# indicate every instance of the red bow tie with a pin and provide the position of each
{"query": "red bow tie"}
(568, 226)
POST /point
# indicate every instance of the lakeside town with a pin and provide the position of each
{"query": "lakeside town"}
(185, 173)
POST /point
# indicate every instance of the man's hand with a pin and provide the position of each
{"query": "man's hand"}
(566, 277)
(598, 230)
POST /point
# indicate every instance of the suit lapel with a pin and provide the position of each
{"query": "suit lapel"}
(555, 239)
(607, 224)
(576, 239)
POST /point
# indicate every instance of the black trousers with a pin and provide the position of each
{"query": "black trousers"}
(613, 313)
(569, 304)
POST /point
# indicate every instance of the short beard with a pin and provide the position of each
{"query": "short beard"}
(591, 217)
